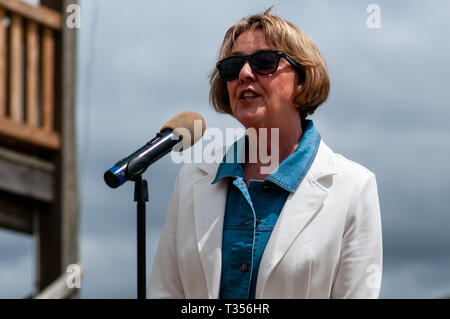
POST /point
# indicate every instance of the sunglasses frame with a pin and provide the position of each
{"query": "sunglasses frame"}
(249, 58)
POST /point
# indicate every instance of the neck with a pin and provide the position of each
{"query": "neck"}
(268, 147)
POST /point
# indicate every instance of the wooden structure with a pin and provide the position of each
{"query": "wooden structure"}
(38, 168)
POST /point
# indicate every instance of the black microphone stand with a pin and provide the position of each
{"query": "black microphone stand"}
(131, 168)
(141, 197)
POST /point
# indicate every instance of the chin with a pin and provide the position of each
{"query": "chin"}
(250, 121)
(250, 117)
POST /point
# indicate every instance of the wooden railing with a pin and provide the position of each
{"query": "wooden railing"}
(27, 73)
(58, 289)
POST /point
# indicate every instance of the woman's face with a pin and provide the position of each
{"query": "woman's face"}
(262, 100)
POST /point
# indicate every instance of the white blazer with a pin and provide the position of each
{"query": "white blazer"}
(326, 243)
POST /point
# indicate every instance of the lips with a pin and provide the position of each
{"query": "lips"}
(248, 94)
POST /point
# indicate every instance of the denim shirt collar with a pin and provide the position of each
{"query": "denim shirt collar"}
(289, 174)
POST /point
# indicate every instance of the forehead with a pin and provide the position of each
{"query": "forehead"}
(249, 42)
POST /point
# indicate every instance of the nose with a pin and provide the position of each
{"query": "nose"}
(246, 73)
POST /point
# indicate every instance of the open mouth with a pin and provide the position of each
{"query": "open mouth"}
(248, 95)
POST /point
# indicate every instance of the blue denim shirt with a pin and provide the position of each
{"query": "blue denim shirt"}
(251, 213)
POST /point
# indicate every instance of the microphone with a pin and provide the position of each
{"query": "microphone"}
(178, 129)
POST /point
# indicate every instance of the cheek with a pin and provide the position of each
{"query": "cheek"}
(284, 89)
(231, 87)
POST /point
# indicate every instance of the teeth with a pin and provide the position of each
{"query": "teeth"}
(248, 94)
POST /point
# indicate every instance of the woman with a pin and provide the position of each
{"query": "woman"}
(308, 229)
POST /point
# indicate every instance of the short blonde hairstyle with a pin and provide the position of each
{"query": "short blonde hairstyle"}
(313, 85)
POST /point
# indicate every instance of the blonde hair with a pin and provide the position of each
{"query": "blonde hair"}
(313, 85)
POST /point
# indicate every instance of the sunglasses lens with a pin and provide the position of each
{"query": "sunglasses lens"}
(262, 63)
(230, 68)
(265, 62)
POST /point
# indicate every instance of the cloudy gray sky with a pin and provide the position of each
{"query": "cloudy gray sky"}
(141, 62)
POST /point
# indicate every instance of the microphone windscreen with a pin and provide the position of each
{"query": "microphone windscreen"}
(184, 124)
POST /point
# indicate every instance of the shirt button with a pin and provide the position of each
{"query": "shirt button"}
(266, 188)
(243, 267)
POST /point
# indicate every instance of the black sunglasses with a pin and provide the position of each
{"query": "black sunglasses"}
(262, 62)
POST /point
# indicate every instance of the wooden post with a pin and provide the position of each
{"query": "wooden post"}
(68, 164)
(16, 71)
(32, 73)
(3, 66)
(48, 81)
(58, 227)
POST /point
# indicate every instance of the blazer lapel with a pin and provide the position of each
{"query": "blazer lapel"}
(209, 209)
(299, 210)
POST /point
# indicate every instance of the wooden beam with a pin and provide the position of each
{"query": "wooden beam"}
(39, 14)
(28, 134)
(56, 5)
(16, 213)
(27, 160)
(21, 177)
(16, 71)
(32, 73)
(3, 65)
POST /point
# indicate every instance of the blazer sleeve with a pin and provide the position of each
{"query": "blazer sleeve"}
(360, 267)
(165, 279)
